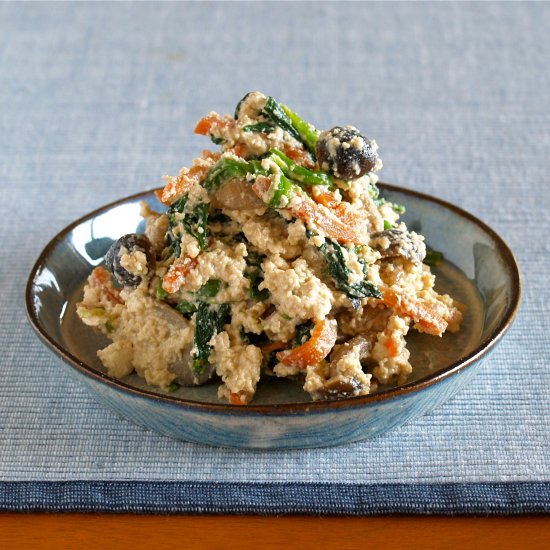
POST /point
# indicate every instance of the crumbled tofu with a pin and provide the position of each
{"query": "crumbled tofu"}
(225, 293)
(295, 290)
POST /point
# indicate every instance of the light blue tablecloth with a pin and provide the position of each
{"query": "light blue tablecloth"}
(99, 100)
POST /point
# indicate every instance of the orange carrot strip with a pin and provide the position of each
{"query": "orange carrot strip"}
(323, 338)
(326, 198)
(392, 348)
(101, 278)
(178, 186)
(204, 125)
(343, 225)
(239, 149)
(261, 186)
(340, 223)
(420, 312)
(212, 122)
(299, 156)
(212, 155)
(236, 399)
(175, 277)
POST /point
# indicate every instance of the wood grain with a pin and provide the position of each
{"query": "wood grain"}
(58, 531)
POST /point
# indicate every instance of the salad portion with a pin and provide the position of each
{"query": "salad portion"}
(275, 257)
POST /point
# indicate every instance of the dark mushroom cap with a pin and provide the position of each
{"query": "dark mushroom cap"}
(346, 153)
(339, 387)
(392, 243)
(132, 243)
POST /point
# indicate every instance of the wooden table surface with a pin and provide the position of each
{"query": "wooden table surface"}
(57, 531)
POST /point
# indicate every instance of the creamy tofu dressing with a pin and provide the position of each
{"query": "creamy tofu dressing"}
(261, 273)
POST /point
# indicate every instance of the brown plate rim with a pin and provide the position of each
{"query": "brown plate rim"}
(288, 408)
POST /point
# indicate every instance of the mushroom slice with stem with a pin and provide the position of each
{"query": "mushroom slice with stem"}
(182, 366)
(343, 376)
(393, 243)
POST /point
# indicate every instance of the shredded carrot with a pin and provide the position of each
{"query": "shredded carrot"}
(212, 155)
(323, 338)
(239, 149)
(326, 198)
(261, 186)
(100, 278)
(178, 186)
(175, 277)
(212, 122)
(392, 348)
(298, 155)
(421, 312)
(236, 399)
(341, 224)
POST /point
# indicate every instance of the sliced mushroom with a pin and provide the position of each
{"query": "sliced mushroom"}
(393, 243)
(182, 366)
(186, 374)
(343, 376)
(344, 349)
(340, 387)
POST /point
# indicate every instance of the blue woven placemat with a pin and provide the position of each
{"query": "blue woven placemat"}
(99, 100)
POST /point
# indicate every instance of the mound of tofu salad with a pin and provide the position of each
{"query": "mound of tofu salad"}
(276, 257)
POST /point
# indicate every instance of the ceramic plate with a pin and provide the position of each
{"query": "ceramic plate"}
(479, 270)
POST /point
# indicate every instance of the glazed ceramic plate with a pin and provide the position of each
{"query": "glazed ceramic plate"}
(479, 270)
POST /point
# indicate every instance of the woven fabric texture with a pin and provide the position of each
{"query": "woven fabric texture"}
(99, 100)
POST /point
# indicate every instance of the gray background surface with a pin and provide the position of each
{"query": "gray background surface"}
(98, 101)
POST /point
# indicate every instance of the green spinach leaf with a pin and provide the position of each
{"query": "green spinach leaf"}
(339, 272)
(209, 320)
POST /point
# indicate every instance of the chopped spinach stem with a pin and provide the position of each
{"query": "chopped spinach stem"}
(161, 293)
(288, 120)
(282, 193)
(299, 173)
(260, 127)
(309, 135)
(274, 112)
